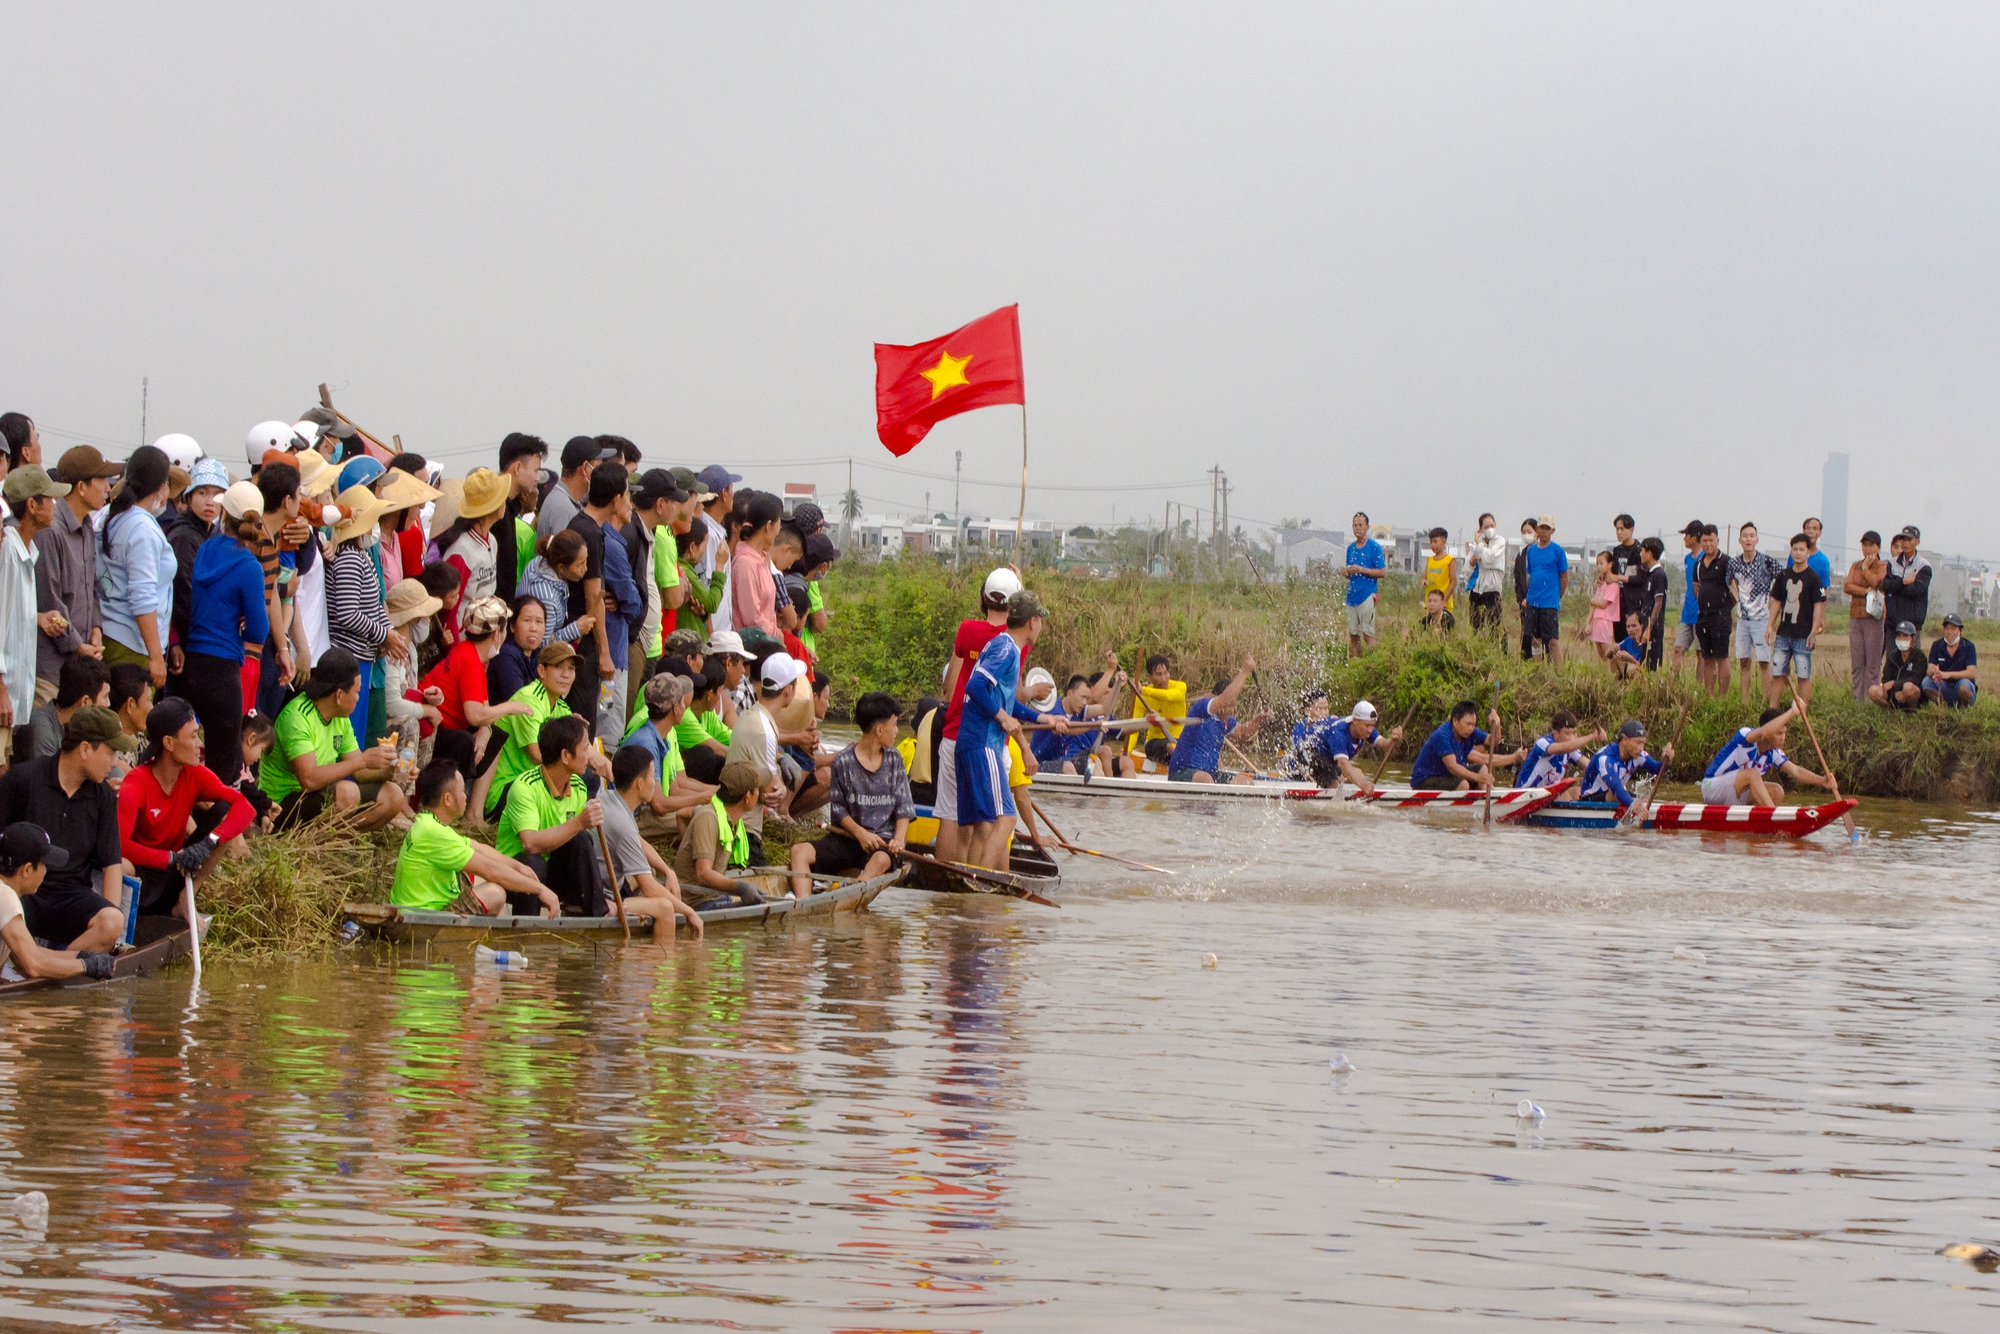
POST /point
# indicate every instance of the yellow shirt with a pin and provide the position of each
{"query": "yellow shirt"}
(1170, 702)
(1437, 574)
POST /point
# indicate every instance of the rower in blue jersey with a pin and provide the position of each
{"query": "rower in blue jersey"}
(1551, 757)
(1336, 748)
(1740, 773)
(1606, 777)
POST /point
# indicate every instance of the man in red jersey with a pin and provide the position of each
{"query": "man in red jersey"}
(973, 636)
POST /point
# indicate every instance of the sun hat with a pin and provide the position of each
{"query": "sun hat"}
(405, 491)
(359, 472)
(1364, 711)
(100, 727)
(484, 492)
(31, 481)
(241, 499)
(1000, 585)
(316, 475)
(1042, 699)
(364, 507)
(83, 462)
(177, 480)
(208, 472)
(178, 448)
(726, 642)
(555, 653)
(483, 616)
(410, 601)
(330, 675)
(780, 670)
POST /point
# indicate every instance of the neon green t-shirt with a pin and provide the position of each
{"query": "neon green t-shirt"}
(692, 731)
(667, 574)
(814, 603)
(301, 731)
(427, 868)
(530, 805)
(524, 545)
(522, 731)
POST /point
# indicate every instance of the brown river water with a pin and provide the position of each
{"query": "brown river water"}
(1769, 1073)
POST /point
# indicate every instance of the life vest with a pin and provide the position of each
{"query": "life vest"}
(734, 839)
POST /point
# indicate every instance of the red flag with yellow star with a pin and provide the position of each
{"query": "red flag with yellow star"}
(917, 387)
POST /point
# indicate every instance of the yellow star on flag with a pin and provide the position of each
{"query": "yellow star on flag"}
(948, 372)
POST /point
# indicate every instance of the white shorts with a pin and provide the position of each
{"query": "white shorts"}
(1361, 618)
(1721, 791)
(1749, 641)
(945, 804)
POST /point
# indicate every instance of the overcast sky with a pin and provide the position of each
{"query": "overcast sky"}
(1422, 260)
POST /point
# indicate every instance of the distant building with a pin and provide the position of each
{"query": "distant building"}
(799, 493)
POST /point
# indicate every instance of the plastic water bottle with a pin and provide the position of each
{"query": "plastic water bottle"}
(350, 931)
(509, 959)
(32, 1208)
(1340, 1065)
(1527, 1111)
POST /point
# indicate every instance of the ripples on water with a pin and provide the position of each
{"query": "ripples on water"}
(963, 1114)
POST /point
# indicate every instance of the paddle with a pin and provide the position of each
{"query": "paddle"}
(1492, 748)
(194, 924)
(1383, 763)
(604, 845)
(1846, 817)
(1062, 841)
(1635, 814)
(1001, 881)
(1097, 725)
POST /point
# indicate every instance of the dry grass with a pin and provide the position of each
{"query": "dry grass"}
(285, 897)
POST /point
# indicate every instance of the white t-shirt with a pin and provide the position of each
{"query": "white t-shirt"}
(10, 908)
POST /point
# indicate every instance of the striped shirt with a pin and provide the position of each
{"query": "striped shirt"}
(355, 618)
(540, 582)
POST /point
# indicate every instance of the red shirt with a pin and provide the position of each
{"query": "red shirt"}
(972, 637)
(152, 824)
(462, 676)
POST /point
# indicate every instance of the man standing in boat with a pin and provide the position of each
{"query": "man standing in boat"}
(992, 713)
(974, 634)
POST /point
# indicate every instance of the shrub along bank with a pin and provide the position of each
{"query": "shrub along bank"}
(894, 620)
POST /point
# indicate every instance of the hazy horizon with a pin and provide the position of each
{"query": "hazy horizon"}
(1420, 260)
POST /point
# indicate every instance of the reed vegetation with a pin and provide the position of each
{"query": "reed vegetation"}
(285, 897)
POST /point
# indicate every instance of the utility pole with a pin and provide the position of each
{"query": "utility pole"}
(957, 523)
(144, 384)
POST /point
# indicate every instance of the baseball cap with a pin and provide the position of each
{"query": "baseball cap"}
(654, 486)
(241, 499)
(1544, 521)
(31, 481)
(582, 449)
(82, 462)
(758, 642)
(555, 653)
(1000, 585)
(330, 675)
(683, 642)
(327, 420)
(1905, 628)
(717, 478)
(726, 641)
(1693, 528)
(1025, 605)
(1632, 727)
(687, 481)
(781, 669)
(1910, 530)
(1953, 619)
(820, 550)
(1364, 711)
(100, 727)
(25, 844)
(809, 517)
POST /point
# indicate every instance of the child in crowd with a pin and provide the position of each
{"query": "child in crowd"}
(257, 738)
(1604, 608)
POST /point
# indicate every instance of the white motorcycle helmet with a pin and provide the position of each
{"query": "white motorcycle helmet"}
(268, 435)
(181, 450)
(1000, 585)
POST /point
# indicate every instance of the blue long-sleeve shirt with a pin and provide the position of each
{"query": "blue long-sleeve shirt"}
(1608, 772)
(990, 691)
(228, 608)
(136, 578)
(619, 584)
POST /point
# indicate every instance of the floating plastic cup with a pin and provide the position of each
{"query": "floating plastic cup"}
(32, 1208)
(1527, 1111)
(509, 959)
(1208, 961)
(1340, 1065)
(1688, 955)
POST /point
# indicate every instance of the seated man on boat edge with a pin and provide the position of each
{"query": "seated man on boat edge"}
(26, 856)
(438, 869)
(546, 811)
(870, 805)
(545, 696)
(716, 842)
(1739, 773)
(1210, 720)
(1610, 769)
(1550, 756)
(1331, 750)
(677, 792)
(1085, 697)
(315, 754)
(1454, 757)
(655, 891)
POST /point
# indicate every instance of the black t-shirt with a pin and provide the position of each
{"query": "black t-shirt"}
(85, 826)
(1711, 585)
(1631, 596)
(1796, 592)
(1898, 670)
(593, 542)
(1651, 586)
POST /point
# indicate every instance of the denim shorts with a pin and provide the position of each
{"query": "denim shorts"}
(1749, 641)
(1792, 657)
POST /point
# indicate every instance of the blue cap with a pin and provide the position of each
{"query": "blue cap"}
(718, 478)
(359, 472)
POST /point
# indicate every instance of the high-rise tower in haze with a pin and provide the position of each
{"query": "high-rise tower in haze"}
(1833, 511)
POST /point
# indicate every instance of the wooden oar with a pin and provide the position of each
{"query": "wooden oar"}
(1635, 814)
(1099, 724)
(1846, 817)
(194, 923)
(1061, 840)
(1384, 762)
(1492, 749)
(604, 844)
(1005, 882)
(326, 401)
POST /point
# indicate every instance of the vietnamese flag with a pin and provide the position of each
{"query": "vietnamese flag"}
(917, 387)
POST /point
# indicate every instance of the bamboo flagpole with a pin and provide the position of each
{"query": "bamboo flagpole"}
(1021, 515)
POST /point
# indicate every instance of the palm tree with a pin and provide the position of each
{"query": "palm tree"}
(850, 511)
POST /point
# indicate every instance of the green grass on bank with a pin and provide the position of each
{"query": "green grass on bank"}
(893, 623)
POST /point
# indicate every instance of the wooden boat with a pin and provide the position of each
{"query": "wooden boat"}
(1034, 872)
(158, 941)
(830, 896)
(1155, 786)
(1783, 821)
(1509, 803)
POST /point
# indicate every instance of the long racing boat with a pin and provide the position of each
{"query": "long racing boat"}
(1784, 821)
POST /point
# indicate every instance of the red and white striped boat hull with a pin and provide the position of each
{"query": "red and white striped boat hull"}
(1792, 820)
(1509, 803)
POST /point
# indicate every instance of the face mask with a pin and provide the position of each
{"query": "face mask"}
(1486, 534)
(420, 632)
(371, 538)
(1902, 646)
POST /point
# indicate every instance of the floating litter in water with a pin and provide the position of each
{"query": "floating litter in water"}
(32, 1208)
(1983, 1258)
(499, 958)
(1208, 961)
(1527, 1111)
(1340, 1065)
(1690, 955)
